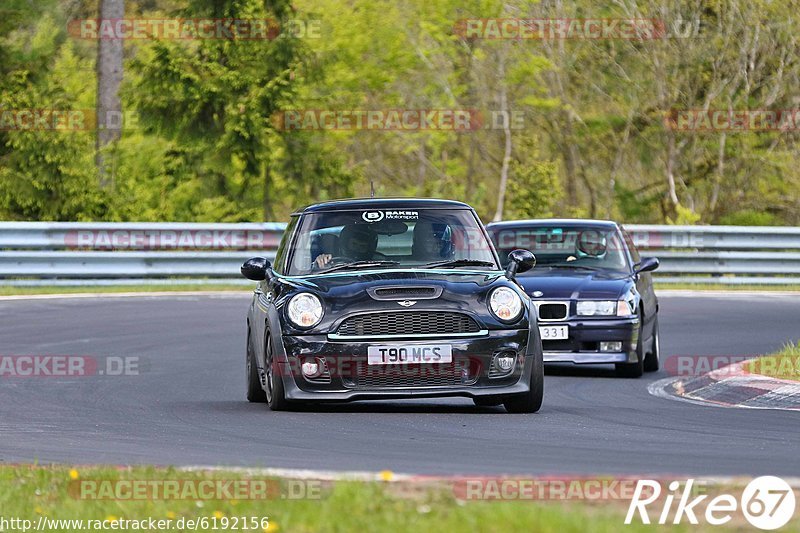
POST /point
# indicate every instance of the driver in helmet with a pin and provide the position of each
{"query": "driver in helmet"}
(591, 245)
(357, 242)
(432, 242)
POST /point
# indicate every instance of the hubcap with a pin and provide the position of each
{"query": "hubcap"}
(248, 362)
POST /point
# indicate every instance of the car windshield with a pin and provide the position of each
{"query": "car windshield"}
(583, 247)
(419, 238)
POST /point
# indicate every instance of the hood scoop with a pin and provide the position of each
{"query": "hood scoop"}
(403, 292)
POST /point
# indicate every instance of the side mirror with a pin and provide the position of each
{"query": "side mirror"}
(519, 261)
(647, 264)
(256, 269)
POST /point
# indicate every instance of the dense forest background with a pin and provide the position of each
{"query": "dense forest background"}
(589, 137)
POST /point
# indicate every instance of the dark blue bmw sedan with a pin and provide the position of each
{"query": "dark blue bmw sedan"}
(592, 291)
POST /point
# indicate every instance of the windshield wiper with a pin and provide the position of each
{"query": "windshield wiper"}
(570, 265)
(358, 264)
(458, 263)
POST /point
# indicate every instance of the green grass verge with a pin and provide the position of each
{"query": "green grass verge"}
(784, 364)
(28, 492)
(7, 290)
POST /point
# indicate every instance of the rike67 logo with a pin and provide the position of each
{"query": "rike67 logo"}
(766, 502)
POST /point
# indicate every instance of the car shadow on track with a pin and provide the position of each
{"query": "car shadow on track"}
(580, 371)
(433, 406)
(439, 405)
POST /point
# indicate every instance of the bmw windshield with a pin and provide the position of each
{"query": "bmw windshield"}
(582, 247)
(422, 238)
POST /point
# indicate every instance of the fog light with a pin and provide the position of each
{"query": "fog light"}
(615, 346)
(310, 369)
(504, 362)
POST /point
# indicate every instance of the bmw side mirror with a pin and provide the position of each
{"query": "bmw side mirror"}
(519, 261)
(647, 264)
(256, 269)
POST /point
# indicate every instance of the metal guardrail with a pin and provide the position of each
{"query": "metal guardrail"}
(658, 237)
(86, 253)
(733, 255)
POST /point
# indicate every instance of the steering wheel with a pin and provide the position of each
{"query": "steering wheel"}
(340, 259)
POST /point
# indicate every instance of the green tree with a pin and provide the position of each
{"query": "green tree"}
(212, 102)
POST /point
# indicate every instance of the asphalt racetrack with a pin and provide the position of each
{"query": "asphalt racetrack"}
(187, 407)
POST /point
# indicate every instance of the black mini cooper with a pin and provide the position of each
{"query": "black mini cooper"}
(391, 298)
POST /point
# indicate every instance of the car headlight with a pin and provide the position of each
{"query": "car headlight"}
(597, 308)
(304, 310)
(604, 308)
(505, 304)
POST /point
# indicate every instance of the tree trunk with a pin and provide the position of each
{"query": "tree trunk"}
(712, 206)
(501, 194)
(670, 168)
(109, 77)
(422, 168)
(266, 200)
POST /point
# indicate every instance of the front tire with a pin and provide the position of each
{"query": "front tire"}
(255, 392)
(531, 401)
(275, 393)
(634, 370)
(652, 360)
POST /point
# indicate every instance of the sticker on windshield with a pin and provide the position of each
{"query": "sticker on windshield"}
(372, 216)
(377, 216)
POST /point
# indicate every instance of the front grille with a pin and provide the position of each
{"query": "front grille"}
(408, 323)
(411, 376)
(552, 311)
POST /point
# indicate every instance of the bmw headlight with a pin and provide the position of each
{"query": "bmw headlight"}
(304, 310)
(597, 308)
(605, 307)
(505, 304)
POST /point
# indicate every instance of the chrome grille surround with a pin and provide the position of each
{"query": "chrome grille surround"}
(410, 323)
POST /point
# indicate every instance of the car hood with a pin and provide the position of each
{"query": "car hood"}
(351, 282)
(572, 284)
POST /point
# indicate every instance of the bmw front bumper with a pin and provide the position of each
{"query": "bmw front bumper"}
(585, 336)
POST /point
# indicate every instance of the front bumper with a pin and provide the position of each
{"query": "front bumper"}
(349, 377)
(585, 335)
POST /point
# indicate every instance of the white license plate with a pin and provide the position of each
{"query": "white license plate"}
(413, 353)
(554, 333)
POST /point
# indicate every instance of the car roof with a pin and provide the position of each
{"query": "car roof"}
(546, 222)
(382, 203)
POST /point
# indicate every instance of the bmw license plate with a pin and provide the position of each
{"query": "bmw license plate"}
(554, 333)
(414, 353)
